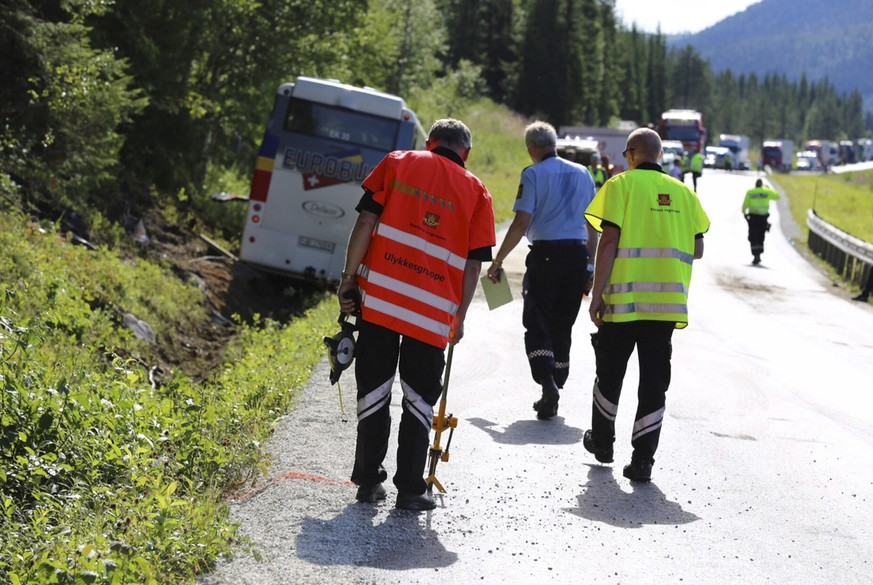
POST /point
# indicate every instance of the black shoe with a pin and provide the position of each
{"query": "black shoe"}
(371, 493)
(603, 455)
(861, 297)
(414, 501)
(756, 260)
(638, 470)
(547, 406)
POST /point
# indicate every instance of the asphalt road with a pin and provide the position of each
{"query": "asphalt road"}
(764, 473)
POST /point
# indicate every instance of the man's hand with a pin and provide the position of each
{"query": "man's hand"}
(348, 302)
(595, 310)
(495, 272)
(457, 332)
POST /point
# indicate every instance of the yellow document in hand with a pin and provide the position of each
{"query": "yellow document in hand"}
(497, 294)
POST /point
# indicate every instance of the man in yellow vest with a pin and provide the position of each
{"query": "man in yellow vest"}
(598, 172)
(695, 165)
(425, 225)
(652, 230)
(756, 209)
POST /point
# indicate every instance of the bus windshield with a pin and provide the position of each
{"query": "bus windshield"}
(323, 121)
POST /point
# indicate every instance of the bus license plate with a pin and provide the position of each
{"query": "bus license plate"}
(316, 244)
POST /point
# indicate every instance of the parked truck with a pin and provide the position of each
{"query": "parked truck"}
(738, 144)
(865, 149)
(827, 151)
(685, 126)
(778, 154)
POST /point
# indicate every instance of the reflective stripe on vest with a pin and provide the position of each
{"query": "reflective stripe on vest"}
(650, 287)
(418, 243)
(655, 253)
(411, 317)
(419, 294)
(646, 308)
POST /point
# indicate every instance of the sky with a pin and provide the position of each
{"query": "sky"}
(677, 16)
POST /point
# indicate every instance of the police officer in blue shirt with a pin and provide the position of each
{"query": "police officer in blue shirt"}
(549, 212)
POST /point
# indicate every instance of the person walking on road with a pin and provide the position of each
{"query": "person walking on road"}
(695, 165)
(652, 230)
(549, 212)
(598, 172)
(676, 169)
(425, 226)
(756, 209)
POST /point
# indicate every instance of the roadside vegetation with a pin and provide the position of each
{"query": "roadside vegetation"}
(113, 470)
(109, 475)
(845, 200)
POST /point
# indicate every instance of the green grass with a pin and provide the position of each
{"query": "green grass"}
(498, 154)
(105, 478)
(845, 201)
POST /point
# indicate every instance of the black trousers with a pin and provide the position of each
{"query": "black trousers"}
(758, 227)
(377, 352)
(613, 345)
(553, 285)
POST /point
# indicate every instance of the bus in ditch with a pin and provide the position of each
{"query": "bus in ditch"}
(685, 126)
(322, 139)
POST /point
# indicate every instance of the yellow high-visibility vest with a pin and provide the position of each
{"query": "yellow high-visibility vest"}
(757, 200)
(659, 218)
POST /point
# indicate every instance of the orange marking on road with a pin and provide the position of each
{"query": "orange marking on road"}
(244, 496)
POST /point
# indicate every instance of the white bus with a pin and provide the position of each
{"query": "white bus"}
(322, 139)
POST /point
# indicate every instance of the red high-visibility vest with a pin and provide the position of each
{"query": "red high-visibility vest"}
(435, 213)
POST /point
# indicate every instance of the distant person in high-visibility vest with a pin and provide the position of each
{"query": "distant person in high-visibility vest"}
(756, 209)
(425, 225)
(695, 166)
(652, 231)
(598, 172)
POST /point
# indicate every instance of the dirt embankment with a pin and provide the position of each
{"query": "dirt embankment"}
(230, 288)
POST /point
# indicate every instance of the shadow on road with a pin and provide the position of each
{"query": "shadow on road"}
(403, 541)
(605, 501)
(527, 432)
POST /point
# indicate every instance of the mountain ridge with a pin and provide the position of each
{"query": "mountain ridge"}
(793, 37)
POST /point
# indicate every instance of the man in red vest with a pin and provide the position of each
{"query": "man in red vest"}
(425, 226)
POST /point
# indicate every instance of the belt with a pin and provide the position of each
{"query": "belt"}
(558, 243)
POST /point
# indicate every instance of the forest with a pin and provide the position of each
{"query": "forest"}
(112, 106)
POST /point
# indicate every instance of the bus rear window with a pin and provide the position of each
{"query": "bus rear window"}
(322, 121)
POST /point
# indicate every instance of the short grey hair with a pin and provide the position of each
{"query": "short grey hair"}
(452, 133)
(540, 134)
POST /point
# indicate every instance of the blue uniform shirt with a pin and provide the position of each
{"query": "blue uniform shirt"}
(556, 193)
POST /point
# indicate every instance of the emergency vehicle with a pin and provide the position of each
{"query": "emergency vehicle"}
(686, 126)
(322, 139)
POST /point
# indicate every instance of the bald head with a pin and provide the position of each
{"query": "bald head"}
(644, 146)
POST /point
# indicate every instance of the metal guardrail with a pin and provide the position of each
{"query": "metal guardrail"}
(851, 257)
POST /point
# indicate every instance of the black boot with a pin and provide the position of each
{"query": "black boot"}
(547, 406)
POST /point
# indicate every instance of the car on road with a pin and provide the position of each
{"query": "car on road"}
(715, 157)
(673, 149)
(807, 160)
